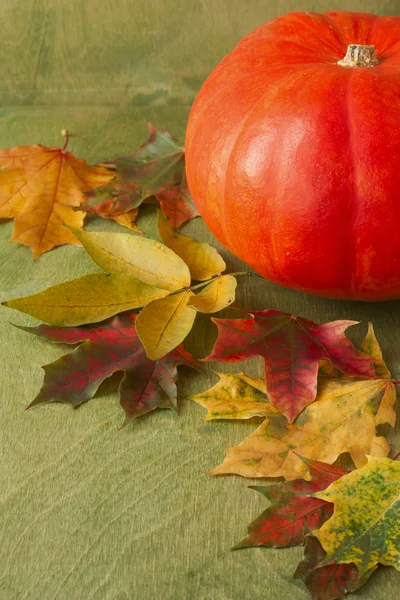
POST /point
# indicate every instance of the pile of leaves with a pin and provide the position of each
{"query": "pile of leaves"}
(320, 397)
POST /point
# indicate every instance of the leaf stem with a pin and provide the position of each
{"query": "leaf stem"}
(65, 133)
(204, 283)
(396, 457)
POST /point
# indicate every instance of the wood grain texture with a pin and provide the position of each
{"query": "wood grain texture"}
(88, 511)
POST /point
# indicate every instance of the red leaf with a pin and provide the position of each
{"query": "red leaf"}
(177, 205)
(329, 582)
(109, 347)
(292, 513)
(291, 347)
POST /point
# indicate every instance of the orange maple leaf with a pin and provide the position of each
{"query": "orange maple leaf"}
(39, 187)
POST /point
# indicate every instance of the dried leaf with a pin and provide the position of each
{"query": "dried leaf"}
(202, 259)
(235, 396)
(137, 256)
(39, 187)
(215, 296)
(164, 324)
(291, 347)
(177, 205)
(109, 347)
(364, 528)
(87, 299)
(292, 513)
(331, 582)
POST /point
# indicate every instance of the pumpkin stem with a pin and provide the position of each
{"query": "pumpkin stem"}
(359, 56)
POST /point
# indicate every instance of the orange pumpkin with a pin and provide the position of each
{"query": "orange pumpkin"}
(293, 153)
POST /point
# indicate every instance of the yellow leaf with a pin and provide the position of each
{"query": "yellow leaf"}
(215, 296)
(202, 259)
(127, 219)
(39, 187)
(370, 347)
(236, 396)
(343, 419)
(364, 528)
(88, 299)
(137, 256)
(164, 324)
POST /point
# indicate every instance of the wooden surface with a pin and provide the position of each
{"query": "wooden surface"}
(88, 511)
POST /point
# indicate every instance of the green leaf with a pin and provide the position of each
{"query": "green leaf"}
(364, 528)
(136, 256)
(88, 299)
(164, 324)
(202, 259)
(215, 296)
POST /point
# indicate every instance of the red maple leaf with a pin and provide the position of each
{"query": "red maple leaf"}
(329, 582)
(292, 514)
(108, 347)
(291, 348)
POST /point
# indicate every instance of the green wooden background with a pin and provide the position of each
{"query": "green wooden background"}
(88, 511)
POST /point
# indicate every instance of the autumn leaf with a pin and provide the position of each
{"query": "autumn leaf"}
(87, 299)
(215, 296)
(322, 432)
(329, 582)
(109, 347)
(136, 256)
(202, 259)
(292, 513)
(128, 220)
(235, 396)
(39, 189)
(164, 324)
(291, 348)
(364, 528)
(156, 169)
(177, 205)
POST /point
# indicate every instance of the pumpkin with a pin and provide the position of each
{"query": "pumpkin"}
(293, 153)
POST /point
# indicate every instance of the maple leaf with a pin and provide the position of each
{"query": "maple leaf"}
(235, 396)
(364, 528)
(292, 513)
(329, 582)
(109, 347)
(39, 188)
(177, 205)
(156, 169)
(291, 348)
(322, 432)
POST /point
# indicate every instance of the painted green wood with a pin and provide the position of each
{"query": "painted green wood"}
(88, 511)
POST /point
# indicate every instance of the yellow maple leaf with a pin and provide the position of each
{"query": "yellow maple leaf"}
(343, 418)
(39, 187)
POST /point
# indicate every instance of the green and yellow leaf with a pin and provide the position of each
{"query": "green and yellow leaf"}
(162, 325)
(364, 528)
(136, 256)
(88, 299)
(202, 259)
(235, 396)
(215, 296)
